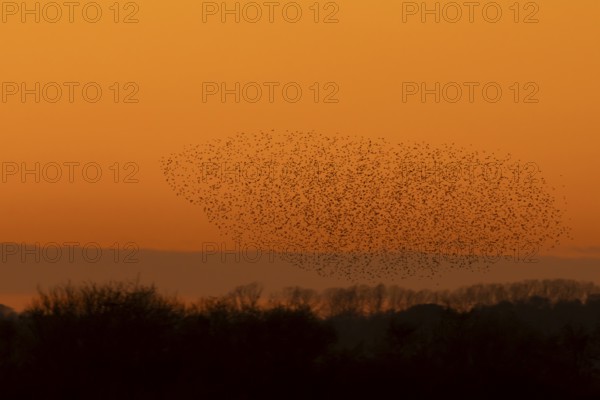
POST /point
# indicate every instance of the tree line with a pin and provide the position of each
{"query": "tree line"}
(126, 340)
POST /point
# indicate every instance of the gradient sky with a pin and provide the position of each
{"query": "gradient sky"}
(368, 54)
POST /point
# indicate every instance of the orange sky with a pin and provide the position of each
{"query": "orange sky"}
(368, 54)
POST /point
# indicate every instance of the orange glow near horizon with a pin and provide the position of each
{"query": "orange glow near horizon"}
(362, 76)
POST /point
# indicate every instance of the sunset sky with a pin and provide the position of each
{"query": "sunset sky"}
(163, 62)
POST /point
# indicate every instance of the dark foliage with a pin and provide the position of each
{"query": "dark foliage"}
(126, 341)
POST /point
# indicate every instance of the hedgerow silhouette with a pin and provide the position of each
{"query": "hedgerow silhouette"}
(126, 340)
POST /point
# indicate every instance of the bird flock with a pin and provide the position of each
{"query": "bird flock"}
(367, 208)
